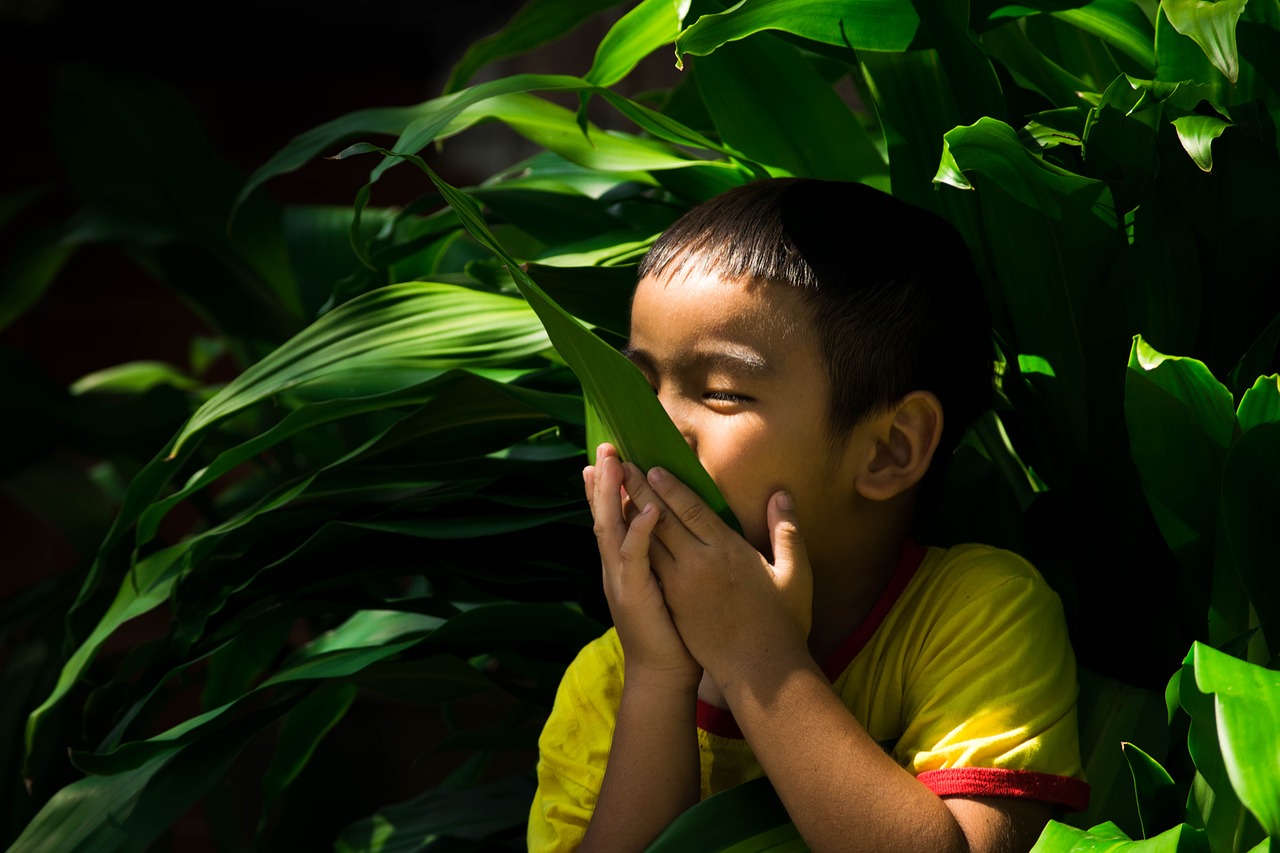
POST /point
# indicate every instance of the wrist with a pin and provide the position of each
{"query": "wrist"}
(678, 683)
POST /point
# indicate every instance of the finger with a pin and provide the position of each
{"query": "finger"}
(692, 511)
(667, 527)
(784, 533)
(606, 502)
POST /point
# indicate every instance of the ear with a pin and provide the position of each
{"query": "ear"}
(906, 437)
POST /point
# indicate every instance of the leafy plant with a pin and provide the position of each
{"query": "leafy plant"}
(417, 409)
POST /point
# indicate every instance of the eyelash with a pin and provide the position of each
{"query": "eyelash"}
(727, 397)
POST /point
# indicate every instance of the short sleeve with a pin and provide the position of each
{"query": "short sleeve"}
(573, 748)
(991, 701)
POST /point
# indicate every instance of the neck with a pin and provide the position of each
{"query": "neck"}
(849, 580)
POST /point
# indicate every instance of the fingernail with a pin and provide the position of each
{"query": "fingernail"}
(784, 502)
(656, 475)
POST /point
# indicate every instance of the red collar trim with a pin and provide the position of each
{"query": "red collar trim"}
(719, 721)
(908, 562)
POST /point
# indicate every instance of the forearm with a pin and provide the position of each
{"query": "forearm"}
(839, 787)
(652, 775)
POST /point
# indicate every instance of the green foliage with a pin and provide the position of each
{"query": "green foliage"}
(418, 388)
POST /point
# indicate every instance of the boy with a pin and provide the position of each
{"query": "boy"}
(821, 346)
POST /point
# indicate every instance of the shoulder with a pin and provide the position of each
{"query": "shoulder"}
(979, 576)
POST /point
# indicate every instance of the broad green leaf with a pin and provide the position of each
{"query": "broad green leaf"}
(770, 103)
(552, 217)
(381, 340)
(1120, 23)
(302, 730)
(1211, 25)
(1181, 421)
(1247, 704)
(1154, 790)
(1057, 229)
(968, 69)
(1260, 404)
(1197, 134)
(1106, 838)
(1255, 360)
(747, 818)
(128, 810)
(647, 27)
(1031, 67)
(28, 271)
(1213, 802)
(145, 588)
(882, 25)
(441, 814)
(134, 377)
(1113, 713)
(1250, 505)
(537, 22)
(915, 107)
(635, 420)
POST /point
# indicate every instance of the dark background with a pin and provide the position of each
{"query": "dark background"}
(256, 74)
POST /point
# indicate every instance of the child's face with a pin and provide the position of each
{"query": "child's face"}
(737, 366)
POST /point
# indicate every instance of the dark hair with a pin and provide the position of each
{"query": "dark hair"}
(891, 287)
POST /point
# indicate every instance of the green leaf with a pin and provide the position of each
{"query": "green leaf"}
(770, 103)
(882, 25)
(1247, 704)
(1181, 421)
(647, 27)
(135, 377)
(635, 420)
(1213, 803)
(1154, 790)
(747, 818)
(303, 729)
(1250, 505)
(1106, 838)
(382, 340)
(28, 271)
(537, 22)
(1211, 25)
(126, 811)
(1112, 714)
(472, 814)
(1260, 404)
(1197, 133)
(1055, 228)
(1120, 23)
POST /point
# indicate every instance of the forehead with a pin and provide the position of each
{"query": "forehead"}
(701, 300)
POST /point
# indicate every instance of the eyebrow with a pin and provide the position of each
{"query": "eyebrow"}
(732, 359)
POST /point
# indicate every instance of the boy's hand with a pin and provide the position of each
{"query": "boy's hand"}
(652, 648)
(728, 602)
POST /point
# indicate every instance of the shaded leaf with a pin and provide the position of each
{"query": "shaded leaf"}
(1212, 25)
(1154, 790)
(1197, 134)
(746, 818)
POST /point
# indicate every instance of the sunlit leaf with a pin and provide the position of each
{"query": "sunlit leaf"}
(135, 377)
(1197, 134)
(384, 339)
(770, 103)
(1247, 702)
(1212, 25)
(1181, 422)
(634, 419)
(1260, 404)
(648, 26)
(1106, 838)
(1154, 789)
(867, 25)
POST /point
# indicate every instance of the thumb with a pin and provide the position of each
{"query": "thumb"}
(789, 555)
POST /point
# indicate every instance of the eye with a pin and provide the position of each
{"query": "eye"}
(726, 397)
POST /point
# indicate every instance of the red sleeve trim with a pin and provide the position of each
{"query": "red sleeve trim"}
(718, 721)
(1002, 782)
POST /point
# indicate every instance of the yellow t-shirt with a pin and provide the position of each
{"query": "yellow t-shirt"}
(962, 671)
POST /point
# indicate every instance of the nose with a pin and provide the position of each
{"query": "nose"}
(681, 417)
